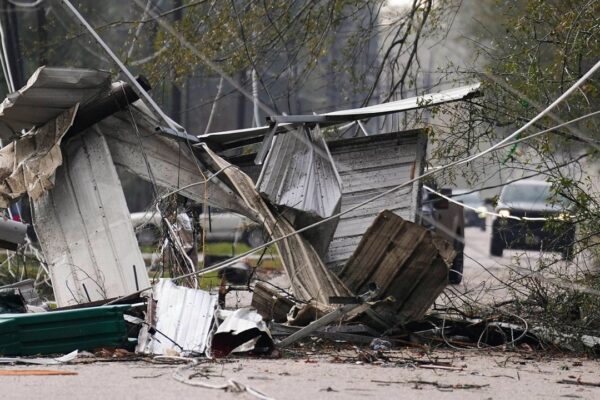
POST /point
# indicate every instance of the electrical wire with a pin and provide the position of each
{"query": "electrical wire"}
(426, 174)
(495, 147)
(484, 211)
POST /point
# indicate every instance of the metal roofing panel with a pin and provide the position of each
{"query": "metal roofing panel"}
(84, 227)
(48, 93)
(63, 331)
(461, 93)
(182, 315)
(299, 173)
(426, 100)
(367, 167)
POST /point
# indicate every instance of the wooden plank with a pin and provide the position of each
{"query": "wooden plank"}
(270, 304)
(402, 260)
(371, 249)
(405, 260)
(416, 304)
(310, 279)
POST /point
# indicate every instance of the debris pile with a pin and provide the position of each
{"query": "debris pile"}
(359, 264)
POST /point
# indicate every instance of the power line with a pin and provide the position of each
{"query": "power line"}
(495, 147)
(498, 145)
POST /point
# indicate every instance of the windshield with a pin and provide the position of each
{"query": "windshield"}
(468, 198)
(534, 193)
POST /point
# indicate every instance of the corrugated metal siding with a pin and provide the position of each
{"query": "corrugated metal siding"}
(234, 138)
(367, 167)
(48, 93)
(299, 173)
(184, 315)
(84, 227)
(412, 103)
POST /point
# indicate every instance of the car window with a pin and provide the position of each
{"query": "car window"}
(526, 193)
(468, 198)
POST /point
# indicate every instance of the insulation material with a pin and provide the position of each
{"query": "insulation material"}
(48, 93)
(177, 314)
(27, 165)
(84, 228)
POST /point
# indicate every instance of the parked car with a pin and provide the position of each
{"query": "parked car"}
(447, 220)
(475, 215)
(223, 226)
(531, 199)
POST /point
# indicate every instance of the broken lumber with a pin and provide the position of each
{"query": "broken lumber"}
(406, 261)
(270, 304)
(310, 279)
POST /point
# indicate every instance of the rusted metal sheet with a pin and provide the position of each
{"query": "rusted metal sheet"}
(406, 261)
(178, 314)
(84, 228)
(48, 93)
(367, 167)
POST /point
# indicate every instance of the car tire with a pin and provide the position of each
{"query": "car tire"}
(496, 245)
(148, 235)
(482, 225)
(567, 253)
(455, 275)
(254, 237)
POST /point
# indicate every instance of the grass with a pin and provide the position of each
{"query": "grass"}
(28, 267)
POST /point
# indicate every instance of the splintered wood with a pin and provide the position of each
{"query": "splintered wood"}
(310, 279)
(406, 261)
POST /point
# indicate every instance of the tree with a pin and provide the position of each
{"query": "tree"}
(530, 52)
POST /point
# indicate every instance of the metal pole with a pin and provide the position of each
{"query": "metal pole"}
(135, 85)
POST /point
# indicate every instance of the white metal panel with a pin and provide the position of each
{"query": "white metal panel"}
(369, 166)
(299, 173)
(411, 103)
(84, 228)
(182, 315)
(48, 93)
(172, 165)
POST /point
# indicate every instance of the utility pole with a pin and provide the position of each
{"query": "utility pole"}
(175, 92)
(11, 51)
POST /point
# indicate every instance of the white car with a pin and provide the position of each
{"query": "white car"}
(222, 226)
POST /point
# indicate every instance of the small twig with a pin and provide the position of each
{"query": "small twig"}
(437, 384)
(433, 366)
(578, 382)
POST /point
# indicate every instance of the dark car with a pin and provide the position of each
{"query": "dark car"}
(446, 219)
(529, 220)
(476, 211)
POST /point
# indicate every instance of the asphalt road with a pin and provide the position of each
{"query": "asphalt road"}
(486, 276)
